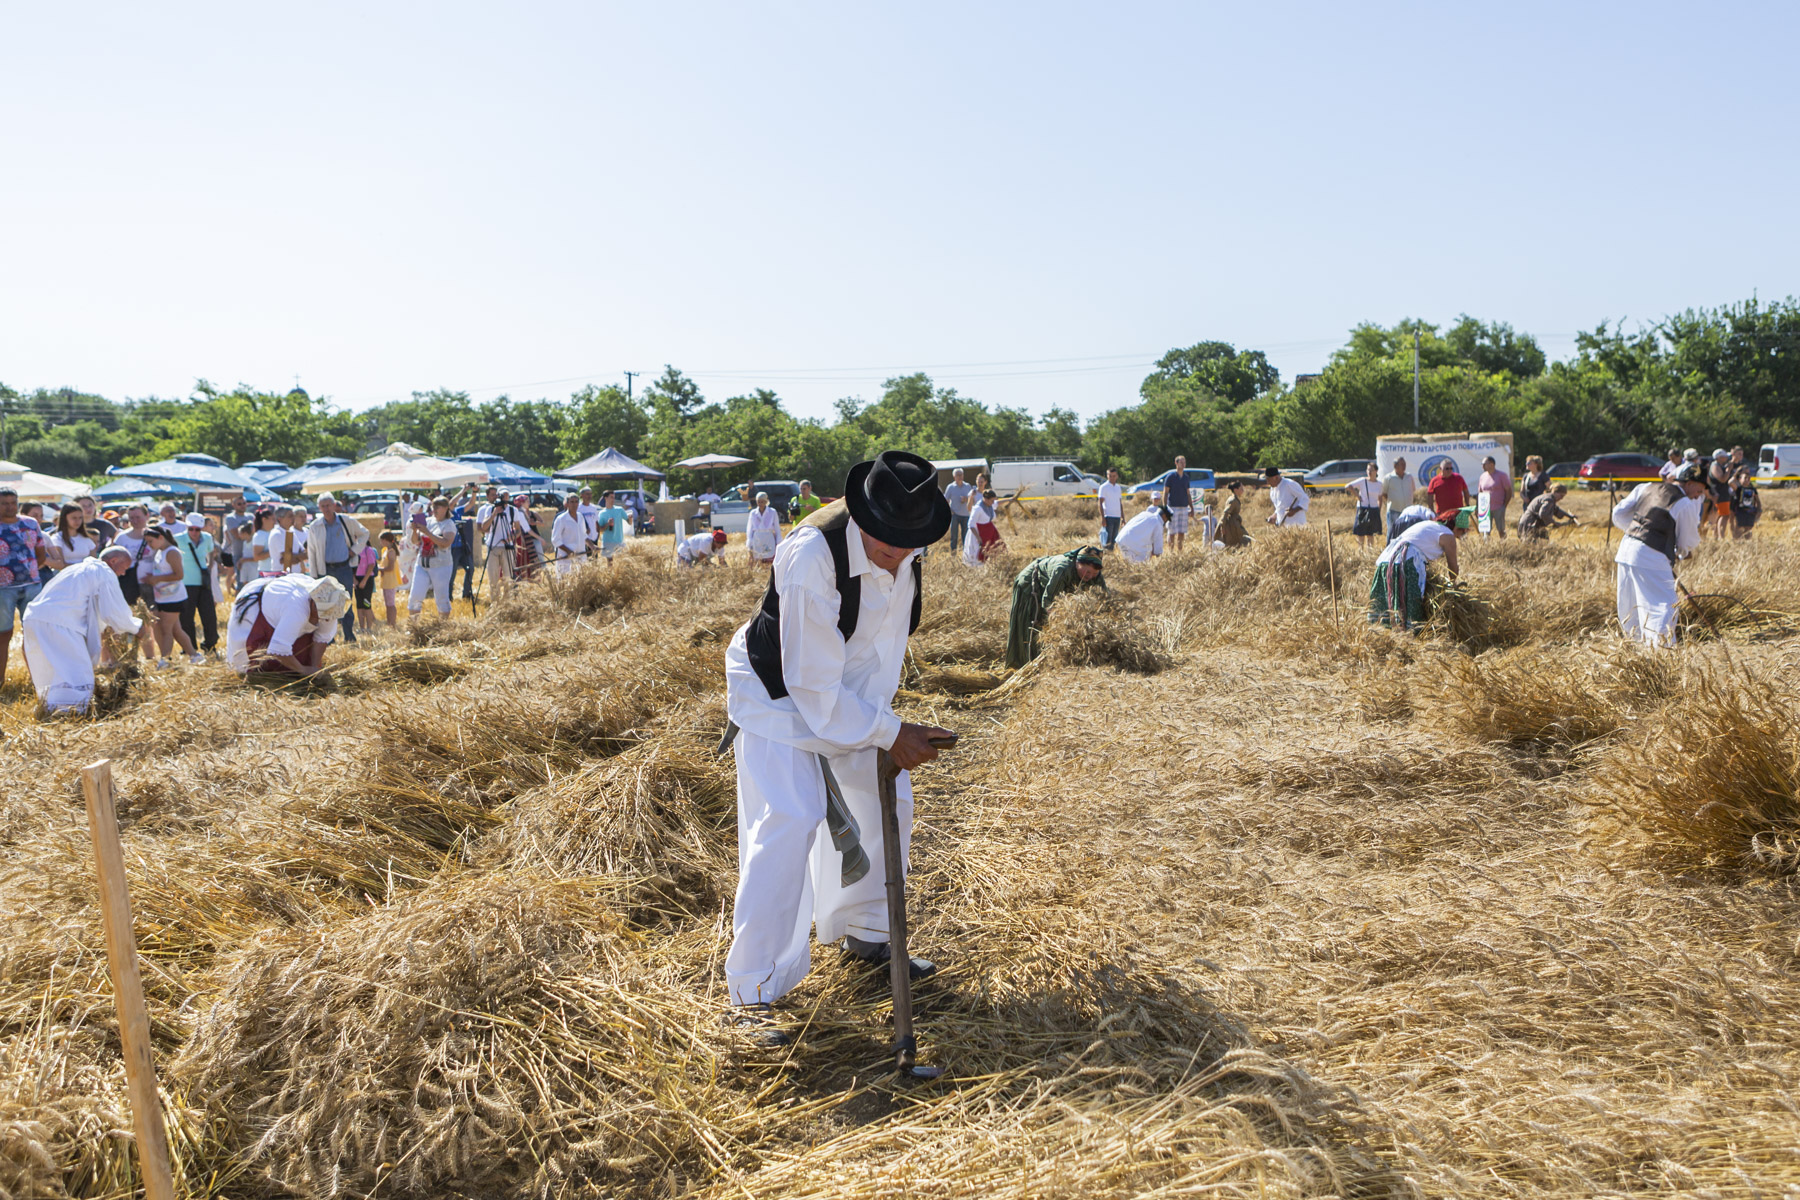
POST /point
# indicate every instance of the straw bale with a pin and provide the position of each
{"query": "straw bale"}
(498, 1033)
(1094, 629)
(663, 811)
(1712, 783)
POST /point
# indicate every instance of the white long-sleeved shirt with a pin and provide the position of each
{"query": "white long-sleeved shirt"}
(1142, 536)
(568, 536)
(1633, 553)
(287, 607)
(1288, 496)
(84, 597)
(840, 693)
(697, 546)
(765, 521)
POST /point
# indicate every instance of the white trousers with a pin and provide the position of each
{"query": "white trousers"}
(568, 564)
(61, 666)
(431, 581)
(789, 873)
(1648, 602)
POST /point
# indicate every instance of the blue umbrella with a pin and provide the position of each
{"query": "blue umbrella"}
(311, 469)
(264, 469)
(197, 470)
(139, 489)
(505, 474)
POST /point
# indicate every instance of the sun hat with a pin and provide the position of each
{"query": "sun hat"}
(895, 499)
(195, 521)
(329, 598)
(1691, 474)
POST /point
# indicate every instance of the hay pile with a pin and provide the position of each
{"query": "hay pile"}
(1318, 911)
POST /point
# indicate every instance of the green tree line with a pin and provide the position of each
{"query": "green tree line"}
(1704, 377)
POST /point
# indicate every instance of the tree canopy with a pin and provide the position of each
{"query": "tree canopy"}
(1702, 377)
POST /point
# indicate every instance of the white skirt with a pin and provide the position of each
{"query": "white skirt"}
(61, 666)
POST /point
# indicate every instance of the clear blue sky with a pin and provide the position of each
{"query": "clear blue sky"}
(380, 198)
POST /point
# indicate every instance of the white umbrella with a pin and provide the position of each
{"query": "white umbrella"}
(31, 485)
(710, 463)
(399, 466)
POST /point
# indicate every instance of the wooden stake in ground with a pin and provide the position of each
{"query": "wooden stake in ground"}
(128, 986)
(1331, 569)
(899, 957)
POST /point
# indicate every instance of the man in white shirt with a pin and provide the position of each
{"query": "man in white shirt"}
(1287, 500)
(807, 694)
(703, 547)
(569, 537)
(1661, 523)
(498, 526)
(1112, 508)
(287, 541)
(589, 512)
(1142, 538)
(1397, 593)
(1397, 488)
(709, 498)
(1671, 470)
(62, 628)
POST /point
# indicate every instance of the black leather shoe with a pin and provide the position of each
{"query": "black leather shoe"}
(756, 1023)
(877, 954)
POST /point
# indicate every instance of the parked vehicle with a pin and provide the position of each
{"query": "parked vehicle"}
(1336, 473)
(1565, 472)
(1622, 468)
(1199, 479)
(732, 512)
(1036, 477)
(1780, 465)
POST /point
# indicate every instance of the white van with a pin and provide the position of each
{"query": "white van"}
(1780, 464)
(1039, 477)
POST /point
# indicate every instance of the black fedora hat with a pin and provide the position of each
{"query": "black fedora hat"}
(895, 499)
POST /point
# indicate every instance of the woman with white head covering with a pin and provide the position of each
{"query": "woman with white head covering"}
(763, 533)
(283, 624)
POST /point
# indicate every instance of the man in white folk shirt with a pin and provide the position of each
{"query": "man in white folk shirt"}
(1288, 501)
(1661, 523)
(569, 537)
(810, 680)
(1112, 508)
(64, 622)
(1142, 538)
(703, 547)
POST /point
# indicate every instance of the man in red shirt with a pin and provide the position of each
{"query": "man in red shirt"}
(1448, 496)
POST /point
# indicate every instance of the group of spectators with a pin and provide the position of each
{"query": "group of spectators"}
(1730, 503)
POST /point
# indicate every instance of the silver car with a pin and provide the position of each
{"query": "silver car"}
(1336, 473)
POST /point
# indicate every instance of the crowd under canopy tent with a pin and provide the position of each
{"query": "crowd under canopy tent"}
(400, 466)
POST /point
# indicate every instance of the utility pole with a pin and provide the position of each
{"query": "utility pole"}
(1415, 378)
(629, 376)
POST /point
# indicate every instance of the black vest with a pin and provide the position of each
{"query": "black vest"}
(763, 638)
(1653, 524)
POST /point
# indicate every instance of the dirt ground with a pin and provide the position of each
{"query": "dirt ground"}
(1308, 909)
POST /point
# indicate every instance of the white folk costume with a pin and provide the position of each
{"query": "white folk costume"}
(433, 563)
(801, 693)
(275, 616)
(1142, 537)
(568, 541)
(1661, 524)
(62, 632)
(695, 547)
(1290, 503)
(763, 534)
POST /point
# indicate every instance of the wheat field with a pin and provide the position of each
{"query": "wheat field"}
(1233, 894)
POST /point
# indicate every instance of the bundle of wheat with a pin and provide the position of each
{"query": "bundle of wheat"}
(1093, 629)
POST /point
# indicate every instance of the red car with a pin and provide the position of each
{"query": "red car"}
(1622, 469)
